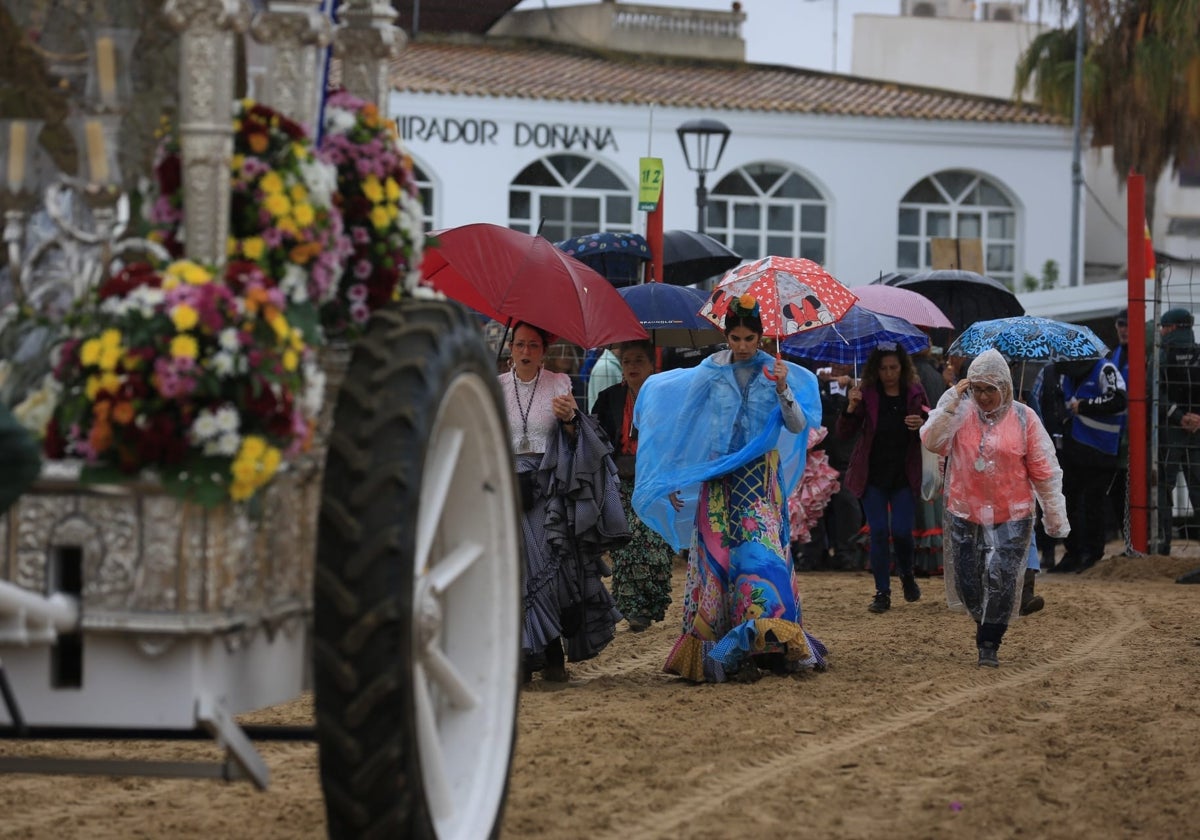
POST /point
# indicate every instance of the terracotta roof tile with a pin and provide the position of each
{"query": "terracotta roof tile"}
(527, 70)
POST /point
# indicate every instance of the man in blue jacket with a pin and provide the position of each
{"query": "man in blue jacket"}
(1089, 397)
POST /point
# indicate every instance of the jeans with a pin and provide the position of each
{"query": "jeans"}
(877, 504)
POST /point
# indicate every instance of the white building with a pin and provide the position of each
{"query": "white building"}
(856, 174)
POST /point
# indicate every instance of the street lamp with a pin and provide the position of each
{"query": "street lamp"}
(698, 138)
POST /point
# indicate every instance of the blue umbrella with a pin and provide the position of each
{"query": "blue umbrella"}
(851, 340)
(616, 256)
(1027, 338)
(669, 314)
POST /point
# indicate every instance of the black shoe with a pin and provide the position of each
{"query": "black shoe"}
(881, 603)
(1069, 563)
(638, 623)
(1086, 564)
(912, 592)
(988, 657)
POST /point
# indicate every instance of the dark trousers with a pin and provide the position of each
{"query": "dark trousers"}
(1180, 452)
(1085, 488)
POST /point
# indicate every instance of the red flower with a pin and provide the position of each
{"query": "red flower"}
(129, 278)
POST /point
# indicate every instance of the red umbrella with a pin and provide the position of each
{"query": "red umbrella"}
(912, 306)
(511, 276)
(793, 294)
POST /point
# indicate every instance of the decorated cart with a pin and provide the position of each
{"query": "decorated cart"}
(274, 460)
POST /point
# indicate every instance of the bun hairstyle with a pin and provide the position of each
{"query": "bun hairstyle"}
(744, 312)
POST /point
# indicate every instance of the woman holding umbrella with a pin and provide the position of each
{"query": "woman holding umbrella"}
(885, 411)
(564, 595)
(721, 446)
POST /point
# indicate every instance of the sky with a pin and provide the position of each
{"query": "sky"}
(799, 33)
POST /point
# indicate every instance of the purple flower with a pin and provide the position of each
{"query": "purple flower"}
(362, 270)
(357, 292)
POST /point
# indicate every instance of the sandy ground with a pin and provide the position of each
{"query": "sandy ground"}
(1090, 727)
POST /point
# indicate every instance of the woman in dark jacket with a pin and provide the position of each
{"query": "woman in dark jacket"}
(641, 578)
(886, 409)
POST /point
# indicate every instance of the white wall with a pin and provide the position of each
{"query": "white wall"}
(971, 56)
(863, 165)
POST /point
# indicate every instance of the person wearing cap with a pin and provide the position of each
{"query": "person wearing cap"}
(1179, 417)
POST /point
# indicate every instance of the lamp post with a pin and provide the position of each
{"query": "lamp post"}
(702, 154)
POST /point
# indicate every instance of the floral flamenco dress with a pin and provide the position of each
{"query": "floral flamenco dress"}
(717, 435)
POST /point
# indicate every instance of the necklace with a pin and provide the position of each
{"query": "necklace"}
(980, 462)
(523, 444)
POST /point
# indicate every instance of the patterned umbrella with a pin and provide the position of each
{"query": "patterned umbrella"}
(852, 339)
(1027, 338)
(903, 303)
(794, 295)
(618, 257)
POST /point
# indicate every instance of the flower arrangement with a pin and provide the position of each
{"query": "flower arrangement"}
(380, 206)
(283, 215)
(206, 382)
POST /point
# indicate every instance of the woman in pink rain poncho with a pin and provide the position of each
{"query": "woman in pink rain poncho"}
(998, 460)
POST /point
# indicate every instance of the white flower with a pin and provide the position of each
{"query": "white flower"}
(204, 426)
(314, 389)
(225, 445)
(228, 339)
(321, 179)
(223, 364)
(295, 283)
(228, 419)
(339, 121)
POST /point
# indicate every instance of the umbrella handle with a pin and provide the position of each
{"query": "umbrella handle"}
(767, 371)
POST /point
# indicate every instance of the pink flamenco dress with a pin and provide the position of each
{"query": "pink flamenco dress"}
(818, 484)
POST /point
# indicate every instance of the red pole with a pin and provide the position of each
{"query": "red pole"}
(1139, 496)
(654, 236)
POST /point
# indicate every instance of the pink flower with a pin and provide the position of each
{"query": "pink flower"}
(750, 524)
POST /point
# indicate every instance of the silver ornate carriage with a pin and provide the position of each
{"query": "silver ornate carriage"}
(387, 574)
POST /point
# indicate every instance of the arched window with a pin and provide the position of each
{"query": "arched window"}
(426, 192)
(962, 205)
(763, 209)
(569, 195)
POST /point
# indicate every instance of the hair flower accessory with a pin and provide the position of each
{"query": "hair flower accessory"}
(381, 207)
(201, 378)
(746, 304)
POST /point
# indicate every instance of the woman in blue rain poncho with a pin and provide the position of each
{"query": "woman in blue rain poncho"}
(721, 447)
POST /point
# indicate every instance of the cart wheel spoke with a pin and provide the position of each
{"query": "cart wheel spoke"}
(448, 678)
(449, 568)
(441, 465)
(433, 764)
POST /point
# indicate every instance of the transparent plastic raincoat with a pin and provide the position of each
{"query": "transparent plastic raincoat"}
(997, 463)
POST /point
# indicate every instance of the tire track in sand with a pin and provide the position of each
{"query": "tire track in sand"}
(741, 778)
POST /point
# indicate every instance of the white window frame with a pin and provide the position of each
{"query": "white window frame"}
(570, 190)
(952, 214)
(721, 218)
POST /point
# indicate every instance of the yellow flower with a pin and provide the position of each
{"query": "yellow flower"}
(184, 317)
(110, 382)
(290, 360)
(270, 462)
(304, 214)
(240, 491)
(379, 217)
(110, 338)
(393, 189)
(298, 192)
(89, 353)
(372, 190)
(184, 347)
(271, 183)
(287, 225)
(278, 323)
(299, 150)
(231, 247)
(296, 340)
(278, 204)
(92, 387)
(237, 162)
(253, 247)
(110, 357)
(187, 271)
(243, 471)
(252, 449)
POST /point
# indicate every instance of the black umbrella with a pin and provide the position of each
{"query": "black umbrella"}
(965, 297)
(689, 257)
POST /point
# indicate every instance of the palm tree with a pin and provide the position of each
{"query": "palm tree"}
(1141, 81)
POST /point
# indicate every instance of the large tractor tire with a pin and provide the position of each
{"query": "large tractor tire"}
(418, 586)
